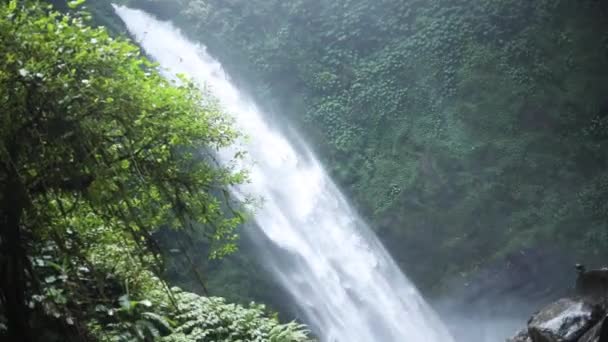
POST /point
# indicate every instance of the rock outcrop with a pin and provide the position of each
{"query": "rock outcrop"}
(579, 318)
(563, 321)
(599, 333)
(521, 336)
(593, 284)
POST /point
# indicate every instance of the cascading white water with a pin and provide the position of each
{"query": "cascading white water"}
(324, 255)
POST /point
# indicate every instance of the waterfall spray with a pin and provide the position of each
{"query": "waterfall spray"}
(323, 254)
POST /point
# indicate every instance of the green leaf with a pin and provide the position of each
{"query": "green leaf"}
(125, 164)
(145, 303)
(75, 3)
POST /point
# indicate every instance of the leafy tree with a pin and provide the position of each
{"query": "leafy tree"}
(97, 151)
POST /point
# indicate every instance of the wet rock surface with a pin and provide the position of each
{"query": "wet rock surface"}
(599, 333)
(578, 318)
(563, 321)
(521, 336)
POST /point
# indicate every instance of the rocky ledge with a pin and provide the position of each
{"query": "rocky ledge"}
(582, 317)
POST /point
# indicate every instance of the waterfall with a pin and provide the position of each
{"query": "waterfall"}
(323, 254)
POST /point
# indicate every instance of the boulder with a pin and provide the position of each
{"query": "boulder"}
(495, 301)
(563, 321)
(521, 336)
(599, 333)
(592, 284)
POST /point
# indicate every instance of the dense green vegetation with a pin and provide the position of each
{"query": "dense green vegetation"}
(463, 130)
(98, 155)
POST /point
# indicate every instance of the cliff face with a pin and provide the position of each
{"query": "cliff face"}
(462, 131)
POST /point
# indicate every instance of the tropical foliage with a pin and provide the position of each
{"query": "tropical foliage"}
(97, 153)
(463, 130)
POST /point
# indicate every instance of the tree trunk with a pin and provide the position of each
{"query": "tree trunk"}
(13, 259)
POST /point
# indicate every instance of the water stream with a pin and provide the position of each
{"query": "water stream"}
(325, 256)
